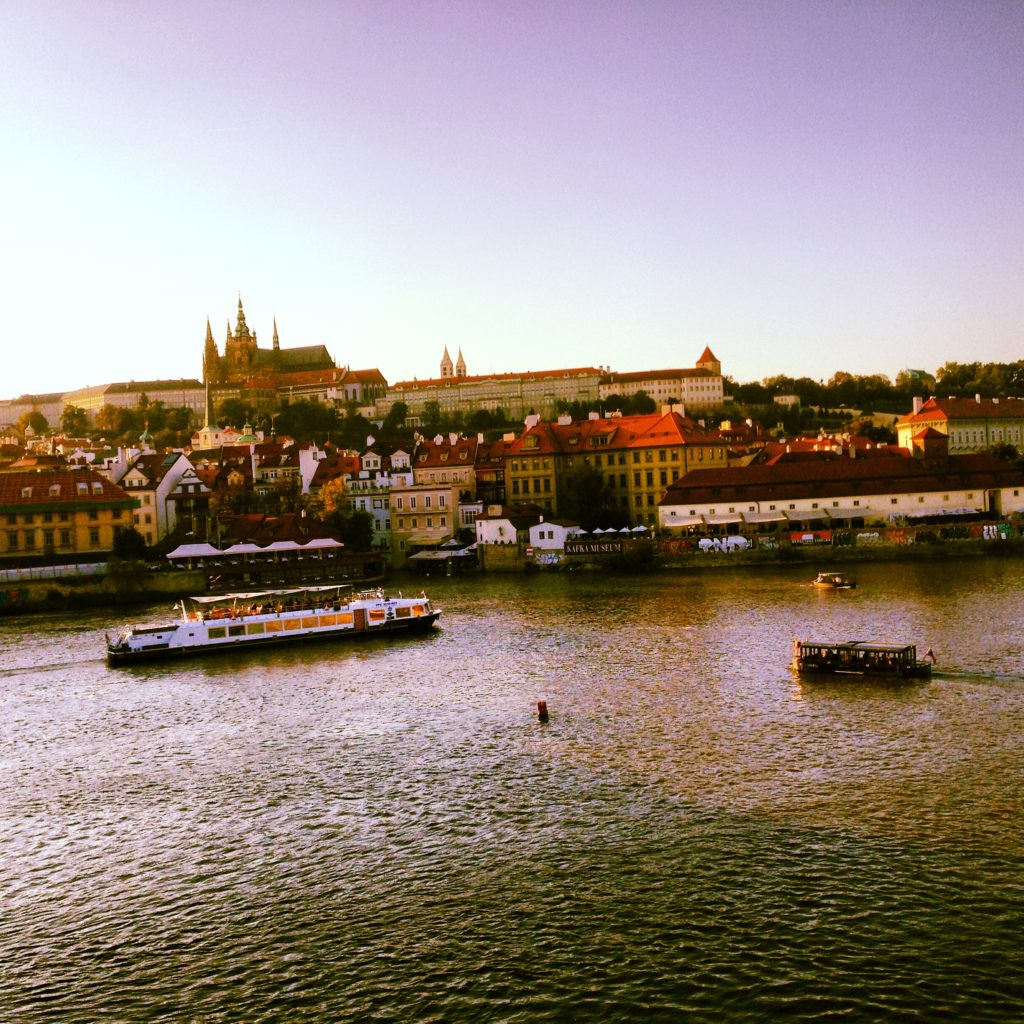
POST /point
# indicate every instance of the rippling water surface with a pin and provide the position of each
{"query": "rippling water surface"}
(377, 831)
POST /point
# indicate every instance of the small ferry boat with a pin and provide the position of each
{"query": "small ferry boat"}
(860, 658)
(833, 581)
(268, 618)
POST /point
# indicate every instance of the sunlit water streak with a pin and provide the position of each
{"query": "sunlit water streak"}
(384, 831)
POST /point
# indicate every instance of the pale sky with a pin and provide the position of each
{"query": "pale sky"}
(805, 187)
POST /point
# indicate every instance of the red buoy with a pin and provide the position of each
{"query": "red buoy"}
(542, 710)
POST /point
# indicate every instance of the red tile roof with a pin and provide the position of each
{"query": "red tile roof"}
(833, 478)
(431, 455)
(59, 488)
(614, 433)
(938, 409)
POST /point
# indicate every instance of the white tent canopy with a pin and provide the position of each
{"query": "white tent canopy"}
(322, 542)
(244, 549)
(194, 551)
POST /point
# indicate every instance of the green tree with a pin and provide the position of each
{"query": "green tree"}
(232, 412)
(430, 420)
(129, 544)
(34, 419)
(330, 504)
(395, 419)
(586, 500)
(74, 422)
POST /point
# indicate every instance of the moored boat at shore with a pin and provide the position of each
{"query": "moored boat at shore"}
(232, 622)
(859, 658)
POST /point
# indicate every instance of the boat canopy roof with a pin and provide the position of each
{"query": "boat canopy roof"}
(256, 594)
(883, 647)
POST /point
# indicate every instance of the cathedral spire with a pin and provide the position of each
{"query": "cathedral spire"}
(277, 344)
(211, 357)
(242, 330)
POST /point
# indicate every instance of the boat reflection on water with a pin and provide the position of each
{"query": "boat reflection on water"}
(833, 581)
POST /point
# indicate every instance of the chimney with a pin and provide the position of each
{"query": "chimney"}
(918, 402)
(977, 399)
(452, 438)
(593, 415)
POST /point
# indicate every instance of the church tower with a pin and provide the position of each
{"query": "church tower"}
(460, 366)
(212, 372)
(708, 362)
(240, 348)
(447, 367)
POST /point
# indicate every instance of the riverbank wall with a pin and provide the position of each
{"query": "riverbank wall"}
(125, 585)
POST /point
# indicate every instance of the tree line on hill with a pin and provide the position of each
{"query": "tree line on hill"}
(821, 403)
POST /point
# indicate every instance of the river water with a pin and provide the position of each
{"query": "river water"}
(375, 831)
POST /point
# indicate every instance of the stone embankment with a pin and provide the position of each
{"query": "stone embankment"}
(37, 590)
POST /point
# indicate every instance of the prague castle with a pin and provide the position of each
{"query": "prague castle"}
(243, 358)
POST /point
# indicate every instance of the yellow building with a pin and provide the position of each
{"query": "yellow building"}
(638, 457)
(60, 513)
(971, 424)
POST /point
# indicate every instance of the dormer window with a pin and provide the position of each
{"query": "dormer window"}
(26, 492)
(97, 487)
(54, 490)
(83, 487)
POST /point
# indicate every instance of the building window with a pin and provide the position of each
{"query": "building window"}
(12, 540)
(892, 501)
(65, 538)
(94, 536)
(93, 514)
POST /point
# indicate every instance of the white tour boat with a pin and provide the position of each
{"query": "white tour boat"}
(268, 618)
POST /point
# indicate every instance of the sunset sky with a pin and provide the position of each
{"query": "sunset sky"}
(805, 187)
